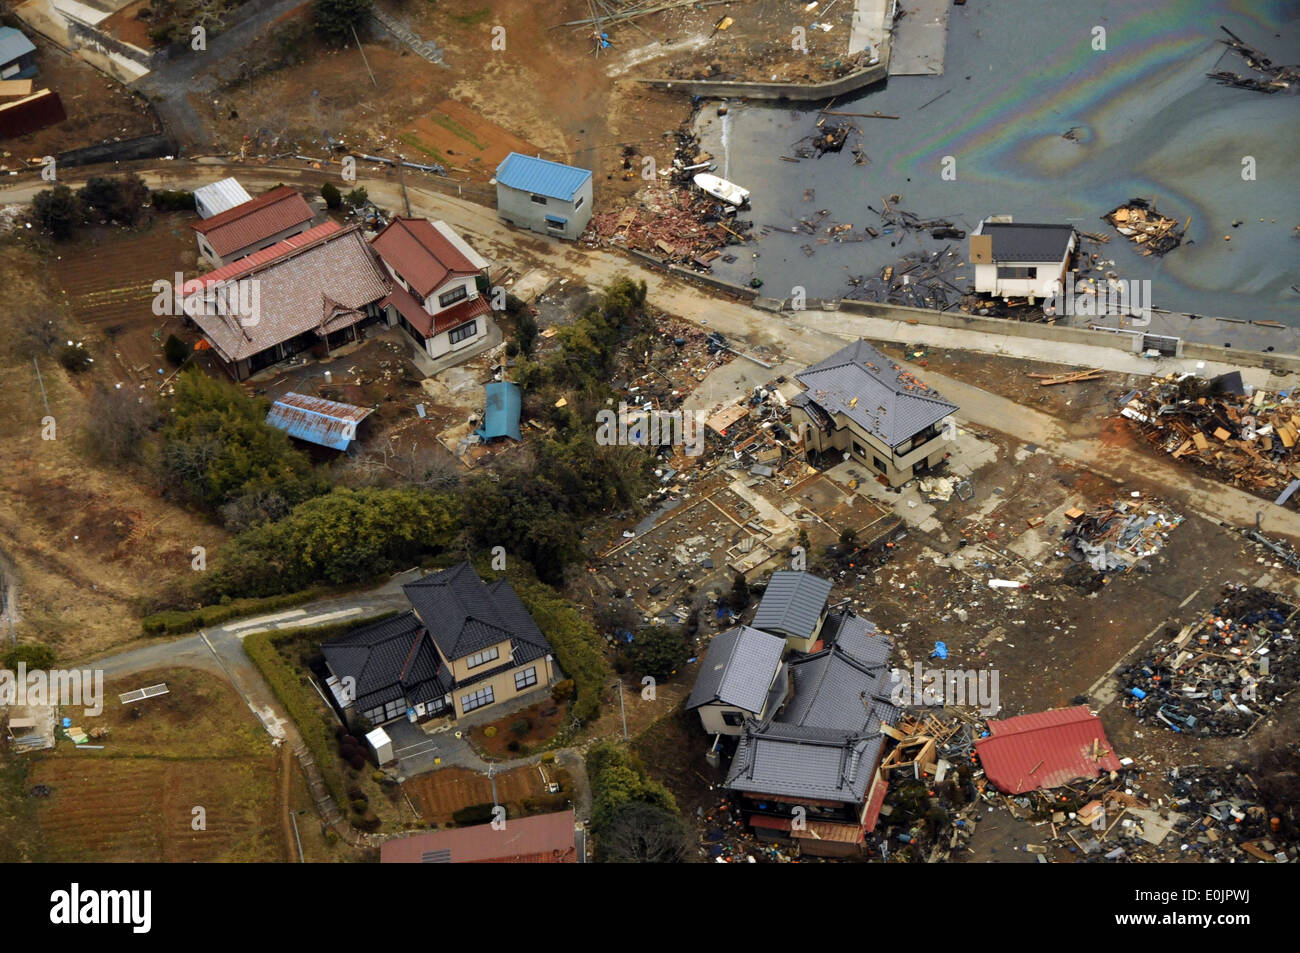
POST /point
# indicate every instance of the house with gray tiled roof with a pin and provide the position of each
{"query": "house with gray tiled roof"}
(794, 607)
(809, 772)
(865, 406)
(742, 677)
(466, 645)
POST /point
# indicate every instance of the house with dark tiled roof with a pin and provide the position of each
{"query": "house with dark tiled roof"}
(809, 771)
(794, 607)
(435, 285)
(867, 407)
(1020, 259)
(251, 226)
(742, 677)
(466, 645)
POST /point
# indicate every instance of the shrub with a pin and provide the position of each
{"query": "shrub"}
(175, 350)
(490, 731)
(563, 690)
(548, 758)
(58, 211)
(75, 358)
(512, 745)
(357, 761)
(473, 814)
(360, 804)
(330, 193)
(34, 655)
(368, 823)
(357, 197)
(578, 646)
(335, 20)
(172, 200)
(522, 727)
(658, 651)
(379, 777)
(356, 793)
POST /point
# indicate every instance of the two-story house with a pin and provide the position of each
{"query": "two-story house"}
(794, 607)
(435, 295)
(465, 646)
(544, 196)
(865, 405)
(742, 676)
(1020, 260)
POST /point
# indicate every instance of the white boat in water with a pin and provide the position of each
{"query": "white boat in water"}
(729, 192)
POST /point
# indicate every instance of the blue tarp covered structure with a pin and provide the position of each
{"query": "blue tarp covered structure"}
(501, 416)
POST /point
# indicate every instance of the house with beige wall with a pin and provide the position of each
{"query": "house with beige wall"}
(742, 676)
(465, 647)
(865, 406)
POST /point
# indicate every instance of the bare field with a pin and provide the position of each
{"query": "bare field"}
(89, 542)
(135, 800)
(439, 794)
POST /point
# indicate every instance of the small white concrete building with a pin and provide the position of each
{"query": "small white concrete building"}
(1026, 260)
(381, 745)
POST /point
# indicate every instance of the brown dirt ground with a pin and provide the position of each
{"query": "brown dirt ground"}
(98, 109)
(134, 800)
(541, 92)
(543, 729)
(439, 794)
(89, 542)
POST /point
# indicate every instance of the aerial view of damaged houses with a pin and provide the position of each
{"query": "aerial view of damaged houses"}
(660, 431)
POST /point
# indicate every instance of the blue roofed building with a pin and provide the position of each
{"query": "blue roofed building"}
(326, 423)
(17, 55)
(544, 196)
(501, 411)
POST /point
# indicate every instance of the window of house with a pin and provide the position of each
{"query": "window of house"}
(577, 203)
(556, 223)
(394, 709)
(525, 678)
(459, 293)
(464, 331)
(733, 718)
(539, 199)
(1017, 272)
(374, 715)
(477, 699)
(880, 464)
(487, 655)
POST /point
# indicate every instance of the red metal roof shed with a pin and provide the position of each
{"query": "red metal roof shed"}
(1045, 750)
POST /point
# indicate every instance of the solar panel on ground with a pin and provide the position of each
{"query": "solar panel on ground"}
(140, 694)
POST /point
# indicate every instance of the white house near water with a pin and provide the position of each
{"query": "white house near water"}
(1026, 260)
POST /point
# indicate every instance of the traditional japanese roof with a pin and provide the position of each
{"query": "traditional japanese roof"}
(792, 604)
(318, 281)
(860, 383)
(465, 616)
(738, 669)
(254, 221)
(388, 660)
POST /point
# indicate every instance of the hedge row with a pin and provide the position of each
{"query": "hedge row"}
(578, 646)
(180, 621)
(299, 699)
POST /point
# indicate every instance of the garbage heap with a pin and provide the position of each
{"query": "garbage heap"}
(1221, 674)
(1139, 222)
(1117, 536)
(1232, 819)
(1248, 441)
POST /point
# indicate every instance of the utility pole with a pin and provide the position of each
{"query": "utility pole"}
(36, 364)
(621, 710)
(401, 180)
(293, 816)
(363, 58)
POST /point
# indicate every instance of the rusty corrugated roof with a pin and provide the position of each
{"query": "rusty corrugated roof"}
(1045, 750)
(316, 420)
(542, 839)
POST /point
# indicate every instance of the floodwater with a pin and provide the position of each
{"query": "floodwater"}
(1018, 74)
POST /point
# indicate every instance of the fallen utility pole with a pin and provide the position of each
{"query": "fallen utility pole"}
(876, 115)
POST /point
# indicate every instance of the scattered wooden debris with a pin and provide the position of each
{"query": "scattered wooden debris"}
(1139, 222)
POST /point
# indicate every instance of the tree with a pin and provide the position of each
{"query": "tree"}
(738, 598)
(639, 833)
(119, 200)
(217, 445)
(58, 211)
(330, 193)
(122, 419)
(618, 778)
(176, 351)
(357, 197)
(336, 19)
(658, 651)
(525, 331)
(38, 333)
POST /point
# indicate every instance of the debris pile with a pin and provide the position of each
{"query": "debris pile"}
(1248, 441)
(1220, 675)
(1233, 819)
(1277, 77)
(1118, 536)
(920, 280)
(1139, 222)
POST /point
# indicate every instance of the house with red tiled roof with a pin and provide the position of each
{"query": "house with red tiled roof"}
(316, 290)
(435, 277)
(252, 226)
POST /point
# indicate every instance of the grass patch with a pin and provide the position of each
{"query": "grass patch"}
(416, 144)
(456, 129)
(472, 18)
